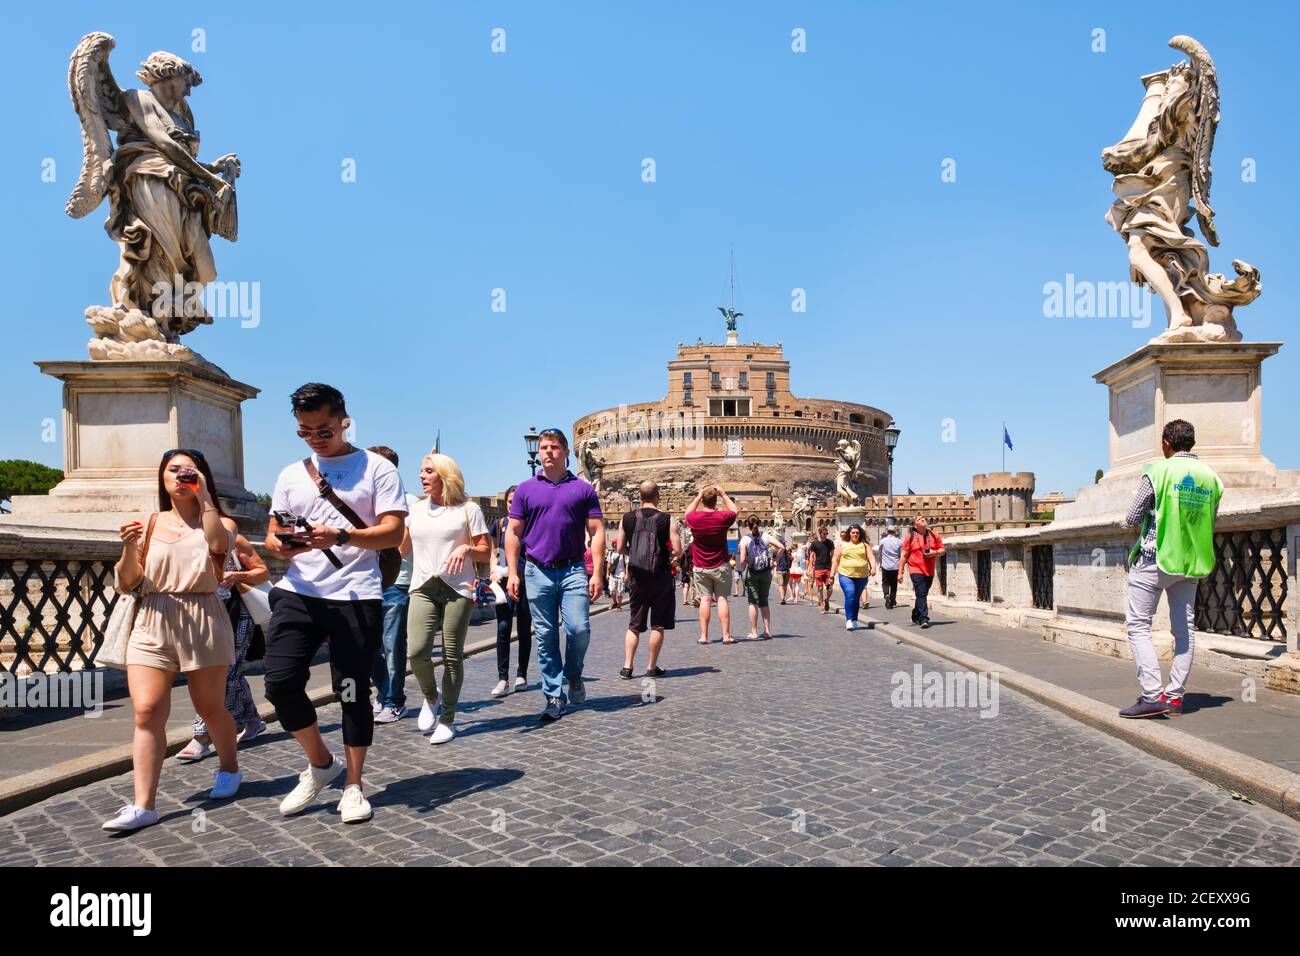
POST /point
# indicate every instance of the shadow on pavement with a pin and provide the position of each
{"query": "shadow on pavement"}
(433, 790)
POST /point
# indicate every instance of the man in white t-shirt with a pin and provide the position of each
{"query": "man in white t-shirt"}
(331, 592)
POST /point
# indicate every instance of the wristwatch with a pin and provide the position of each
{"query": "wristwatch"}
(344, 535)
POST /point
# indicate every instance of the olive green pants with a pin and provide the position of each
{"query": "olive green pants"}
(437, 607)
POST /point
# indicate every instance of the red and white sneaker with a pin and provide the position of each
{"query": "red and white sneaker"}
(1175, 704)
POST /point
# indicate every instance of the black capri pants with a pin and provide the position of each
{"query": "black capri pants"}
(298, 626)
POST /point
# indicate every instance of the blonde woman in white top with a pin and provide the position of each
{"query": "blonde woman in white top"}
(448, 534)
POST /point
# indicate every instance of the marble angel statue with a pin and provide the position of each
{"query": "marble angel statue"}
(848, 454)
(164, 205)
(1162, 176)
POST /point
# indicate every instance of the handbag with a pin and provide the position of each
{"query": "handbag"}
(485, 589)
(390, 559)
(120, 624)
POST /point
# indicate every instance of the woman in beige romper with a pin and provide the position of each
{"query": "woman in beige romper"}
(181, 625)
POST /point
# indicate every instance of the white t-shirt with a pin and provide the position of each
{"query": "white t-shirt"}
(370, 486)
(437, 531)
(748, 545)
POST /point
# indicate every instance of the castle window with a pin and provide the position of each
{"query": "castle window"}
(686, 397)
(878, 423)
(798, 413)
(686, 379)
(729, 407)
(717, 380)
(771, 396)
(856, 419)
(744, 380)
(771, 379)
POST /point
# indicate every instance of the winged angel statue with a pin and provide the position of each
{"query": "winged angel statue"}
(164, 204)
(1162, 173)
(848, 455)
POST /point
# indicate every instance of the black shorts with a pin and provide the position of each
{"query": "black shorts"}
(654, 598)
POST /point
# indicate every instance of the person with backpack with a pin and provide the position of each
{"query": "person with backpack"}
(920, 549)
(855, 564)
(648, 542)
(782, 570)
(755, 560)
(1175, 507)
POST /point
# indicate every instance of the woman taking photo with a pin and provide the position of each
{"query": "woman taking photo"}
(448, 534)
(855, 562)
(509, 611)
(243, 567)
(175, 558)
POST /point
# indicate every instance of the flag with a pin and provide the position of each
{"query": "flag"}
(910, 491)
(1006, 438)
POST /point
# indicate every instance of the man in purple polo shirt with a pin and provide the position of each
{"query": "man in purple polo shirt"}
(551, 515)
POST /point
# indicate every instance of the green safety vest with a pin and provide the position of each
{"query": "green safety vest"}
(1187, 499)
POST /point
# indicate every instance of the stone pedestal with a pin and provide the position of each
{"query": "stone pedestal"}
(118, 419)
(846, 517)
(1214, 386)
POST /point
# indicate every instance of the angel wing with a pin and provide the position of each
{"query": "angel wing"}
(1206, 80)
(98, 101)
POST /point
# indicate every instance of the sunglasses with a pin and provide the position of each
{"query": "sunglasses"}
(191, 452)
(325, 433)
(554, 433)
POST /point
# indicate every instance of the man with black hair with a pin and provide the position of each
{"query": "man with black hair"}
(354, 506)
(1175, 506)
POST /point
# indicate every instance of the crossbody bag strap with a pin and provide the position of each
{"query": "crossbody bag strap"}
(330, 495)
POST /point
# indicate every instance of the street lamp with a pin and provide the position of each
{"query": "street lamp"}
(531, 441)
(891, 442)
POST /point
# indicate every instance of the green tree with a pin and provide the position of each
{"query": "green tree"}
(20, 477)
(1097, 477)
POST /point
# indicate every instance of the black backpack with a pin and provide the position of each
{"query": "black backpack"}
(644, 556)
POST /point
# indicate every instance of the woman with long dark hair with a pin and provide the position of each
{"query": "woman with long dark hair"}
(855, 563)
(175, 557)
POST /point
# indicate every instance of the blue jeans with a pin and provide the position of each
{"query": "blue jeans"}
(389, 671)
(921, 587)
(552, 592)
(853, 589)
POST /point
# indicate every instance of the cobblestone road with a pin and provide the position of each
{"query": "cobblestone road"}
(787, 751)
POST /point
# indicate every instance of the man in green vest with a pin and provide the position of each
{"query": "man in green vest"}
(1175, 507)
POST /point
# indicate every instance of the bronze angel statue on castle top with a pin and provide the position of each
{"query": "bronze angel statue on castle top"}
(164, 204)
(1162, 175)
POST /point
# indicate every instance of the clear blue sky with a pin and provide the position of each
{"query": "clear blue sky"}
(522, 171)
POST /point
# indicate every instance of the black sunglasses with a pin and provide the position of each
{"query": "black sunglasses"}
(191, 452)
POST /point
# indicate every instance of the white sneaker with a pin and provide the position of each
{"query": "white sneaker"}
(310, 783)
(442, 734)
(376, 706)
(131, 817)
(390, 715)
(354, 807)
(502, 689)
(849, 625)
(428, 715)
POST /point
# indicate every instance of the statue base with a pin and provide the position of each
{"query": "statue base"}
(118, 419)
(846, 517)
(1215, 386)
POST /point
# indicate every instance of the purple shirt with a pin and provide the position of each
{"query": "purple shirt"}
(555, 516)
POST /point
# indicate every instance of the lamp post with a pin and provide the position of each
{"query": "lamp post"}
(531, 441)
(891, 442)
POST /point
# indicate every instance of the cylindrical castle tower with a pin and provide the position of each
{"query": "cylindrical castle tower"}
(1003, 496)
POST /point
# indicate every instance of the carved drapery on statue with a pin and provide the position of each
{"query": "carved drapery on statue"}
(1162, 175)
(164, 204)
(591, 464)
(848, 455)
